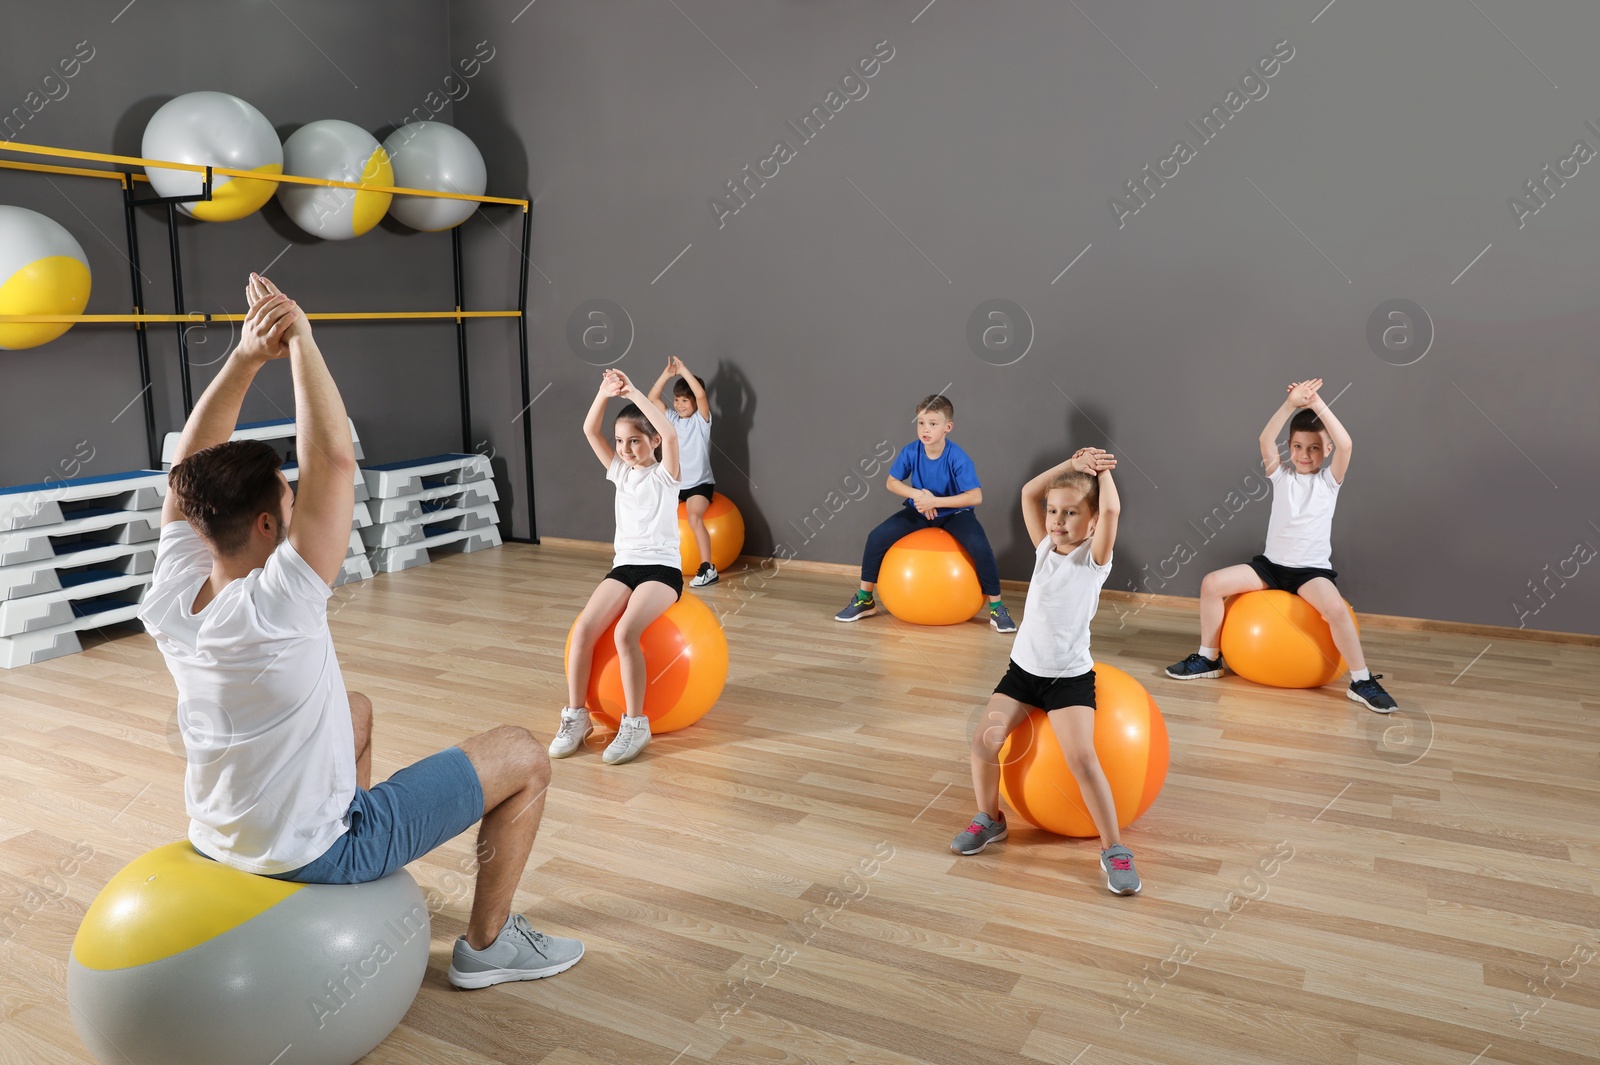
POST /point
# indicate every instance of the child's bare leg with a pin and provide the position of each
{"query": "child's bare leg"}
(1321, 593)
(649, 601)
(1074, 729)
(605, 605)
(1000, 718)
(696, 507)
(1214, 592)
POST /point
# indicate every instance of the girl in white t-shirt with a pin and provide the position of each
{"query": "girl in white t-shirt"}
(1297, 558)
(641, 459)
(1071, 511)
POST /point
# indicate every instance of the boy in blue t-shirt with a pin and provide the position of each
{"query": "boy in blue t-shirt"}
(940, 486)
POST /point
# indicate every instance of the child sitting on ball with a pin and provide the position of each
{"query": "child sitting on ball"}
(690, 415)
(1297, 556)
(940, 486)
(641, 459)
(1071, 511)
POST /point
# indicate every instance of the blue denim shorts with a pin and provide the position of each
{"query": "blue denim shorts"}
(399, 820)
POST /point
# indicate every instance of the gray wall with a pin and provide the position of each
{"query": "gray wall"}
(981, 162)
(398, 380)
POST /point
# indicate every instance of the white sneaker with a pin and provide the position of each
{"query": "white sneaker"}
(707, 576)
(575, 728)
(633, 736)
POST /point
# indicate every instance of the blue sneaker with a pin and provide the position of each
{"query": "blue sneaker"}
(862, 606)
(1000, 618)
(1370, 694)
(1197, 667)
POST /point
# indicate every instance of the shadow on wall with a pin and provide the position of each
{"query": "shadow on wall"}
(733, 407)
(1089, 427)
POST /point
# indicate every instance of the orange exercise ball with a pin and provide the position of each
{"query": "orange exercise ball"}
(685, 667)
(1276, 638)
(725, 525)
(1130, 739)
(928, 579)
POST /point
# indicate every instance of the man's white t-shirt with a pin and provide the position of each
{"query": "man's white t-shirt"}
(1063, 595)
(1300, 531)
(647, 515)
(694, 448)
(261, 705)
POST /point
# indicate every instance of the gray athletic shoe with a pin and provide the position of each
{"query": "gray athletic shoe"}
(517, 953)
(633, 736)
(862, 606)
(983, 831)
(1121, 877)
(1000, 618)
(575, 728)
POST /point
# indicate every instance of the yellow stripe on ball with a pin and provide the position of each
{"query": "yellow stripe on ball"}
(370, 207)
(234, 198)
(166, 901)
(56, 284)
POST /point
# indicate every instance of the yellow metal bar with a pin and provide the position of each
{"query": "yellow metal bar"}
(223, 171)
(200, 319)
(76, 171)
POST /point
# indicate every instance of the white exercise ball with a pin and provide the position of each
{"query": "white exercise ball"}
(337, 151)
(42, 271)
(440, 158)
(213, 129)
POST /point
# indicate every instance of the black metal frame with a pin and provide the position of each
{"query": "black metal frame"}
(171, 202)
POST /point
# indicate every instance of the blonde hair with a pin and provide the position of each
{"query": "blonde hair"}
(1082, 483)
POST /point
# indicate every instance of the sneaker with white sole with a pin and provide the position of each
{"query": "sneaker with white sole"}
(983, 831)
(1370, 694)
(633, 736)
(1121, 877)
(705, 576)
(517, 953)
(863, 605)
(575, 728)
(1196, 667)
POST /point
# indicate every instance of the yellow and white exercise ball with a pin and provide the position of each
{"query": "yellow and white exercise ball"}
(440, 158)
(184, 960)
(213, 129)
(336, 151)
(42, 271)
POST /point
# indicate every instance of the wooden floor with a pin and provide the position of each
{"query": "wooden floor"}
(776, 885)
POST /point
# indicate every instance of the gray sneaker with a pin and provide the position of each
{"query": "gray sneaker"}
(517, 953)
(1121, 878)
(983, 831)
(633, 736)
(575, 728)
(862, 606)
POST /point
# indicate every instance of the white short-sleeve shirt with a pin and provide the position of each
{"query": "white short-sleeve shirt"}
(262, 705)
(1063, 595)
(694, 448)
(647, 515)
(1300, 531)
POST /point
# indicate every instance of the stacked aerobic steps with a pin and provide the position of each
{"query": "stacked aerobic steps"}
(441, 503)
(74, 555)
(356, 567)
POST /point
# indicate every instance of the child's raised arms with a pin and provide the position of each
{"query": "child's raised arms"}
(658, 421)
(1301, 394)
(594, 429)
(1110, 509)
(1342, 444)
(1089, 460)
(657, 389)
(701, 404)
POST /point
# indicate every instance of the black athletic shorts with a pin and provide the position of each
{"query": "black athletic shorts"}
(698, 490)
(1047, 693)
(633, 576)
(1286, 578)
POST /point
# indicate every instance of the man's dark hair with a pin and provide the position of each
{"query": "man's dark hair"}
(222, 490)
(1305, 420)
